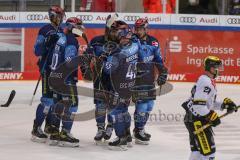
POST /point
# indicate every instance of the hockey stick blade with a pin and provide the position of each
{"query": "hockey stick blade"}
(12, 95)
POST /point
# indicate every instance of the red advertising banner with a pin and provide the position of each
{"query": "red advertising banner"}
(188, 48)
(30, 68)
(185, 52)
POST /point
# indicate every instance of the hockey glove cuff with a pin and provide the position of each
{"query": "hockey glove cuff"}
(213, 118)
(229, 105)
(162, 78)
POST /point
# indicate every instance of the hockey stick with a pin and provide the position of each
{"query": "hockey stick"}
(35, 90)
(199, 130)
(10, 98)
(39, 79)
(84, 36)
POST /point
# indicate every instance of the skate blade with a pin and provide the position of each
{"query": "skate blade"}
(38, 140)
(133, 137)
(67, 144)
(101, 143)
(137, 141)
(52, 142)
(118, 148)
(129, 144)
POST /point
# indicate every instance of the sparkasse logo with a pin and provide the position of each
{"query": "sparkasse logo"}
(175, 45)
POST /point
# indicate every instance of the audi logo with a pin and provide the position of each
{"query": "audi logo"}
(188, 19)
(233, 20)
(36, 17)
(131, 18)
(85, 17)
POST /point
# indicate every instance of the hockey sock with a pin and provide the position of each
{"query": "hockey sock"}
(67, 121)
(118, 120)
(140, 119)
(146, 118)
(127, 119)
(49, 115)
(40, 116)
(100, 114)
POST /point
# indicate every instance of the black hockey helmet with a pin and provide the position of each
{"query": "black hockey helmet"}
(122, 28)
(118, 30)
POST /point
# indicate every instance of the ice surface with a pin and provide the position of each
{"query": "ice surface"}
(169, 136)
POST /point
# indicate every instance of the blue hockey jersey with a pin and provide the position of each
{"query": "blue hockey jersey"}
(66, 48)
(45, 43)
(149, 58)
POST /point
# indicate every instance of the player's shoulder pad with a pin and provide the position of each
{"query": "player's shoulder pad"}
(134, 38)
(62, 40)
(98, 40)
(204, 80)
(131, 49)
(46, 29)
(71, 39)
(135, 46)
(60, 29)
(60, 34)
(153, 41)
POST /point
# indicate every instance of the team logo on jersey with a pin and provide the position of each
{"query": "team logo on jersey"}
(154, 43)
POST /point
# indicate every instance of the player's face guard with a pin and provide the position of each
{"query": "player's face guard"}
(217, 69)
(78, 29)
(56, 18)
(112, 34)
(141, 32)
(124, 34)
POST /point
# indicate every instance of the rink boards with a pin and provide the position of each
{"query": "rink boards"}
(185, 41)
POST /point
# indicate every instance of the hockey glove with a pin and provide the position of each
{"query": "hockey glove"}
(103, 57)
(229, 105)
(162, 78)
(87, 72)
(213, 118)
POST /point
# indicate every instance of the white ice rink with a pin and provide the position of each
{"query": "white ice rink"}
(169, 137)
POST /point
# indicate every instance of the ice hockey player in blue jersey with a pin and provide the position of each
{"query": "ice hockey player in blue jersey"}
(144, 91)
(120, 64)
(66, 104)
(43, 49)
(101, 81)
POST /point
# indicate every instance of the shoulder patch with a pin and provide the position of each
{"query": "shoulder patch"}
(62, 41)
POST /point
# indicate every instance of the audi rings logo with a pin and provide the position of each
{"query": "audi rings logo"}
(233, 20)
(85, 17)
(36, 17)
(130, 18)
(188, 19)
